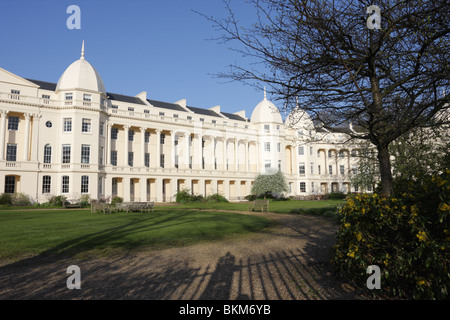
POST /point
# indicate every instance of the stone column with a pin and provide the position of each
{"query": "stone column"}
(158, 153)
(3, 115)
(142, 149)
(108, 143)
(172, 149)
(126, 129)
(35, 137)
(246, 156)
(26, 137)
(236, 149)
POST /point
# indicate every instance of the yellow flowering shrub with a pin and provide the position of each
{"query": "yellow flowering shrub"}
(406, 236)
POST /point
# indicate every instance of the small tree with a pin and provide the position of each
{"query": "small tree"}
(265, 183)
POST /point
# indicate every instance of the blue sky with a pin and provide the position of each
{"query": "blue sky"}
(158, 46)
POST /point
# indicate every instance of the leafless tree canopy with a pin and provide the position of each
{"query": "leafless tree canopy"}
(323, 53)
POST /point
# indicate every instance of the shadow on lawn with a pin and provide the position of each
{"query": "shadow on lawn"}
(292, 272)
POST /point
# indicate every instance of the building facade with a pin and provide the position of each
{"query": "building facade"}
(73, 138)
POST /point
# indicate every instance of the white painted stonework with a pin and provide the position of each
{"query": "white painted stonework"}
(73, 137)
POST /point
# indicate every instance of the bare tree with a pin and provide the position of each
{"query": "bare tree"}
(386, 77)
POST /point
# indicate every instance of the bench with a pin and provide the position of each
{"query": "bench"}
(259, 205)
(71, 204)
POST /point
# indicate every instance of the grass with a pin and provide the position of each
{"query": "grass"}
(289, 206)
(79, 232)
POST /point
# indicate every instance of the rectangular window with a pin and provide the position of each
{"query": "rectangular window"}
(13, 123)
(214, 121)
(310, 151)
(66, 153)
(86, 125)
(330, 169)
(130, 158)
(147, 136)
(65, 184)
(354, 169)
(266, 146)
(312, 187)
(15, 94)
(279, 165)
(301, 168)
(318, 167)
(69, 96)
(267, 165)
(300, 133)
(130, 109)
(67, 125)
(46, 184)
(161, 159)
(10, 184)
(130, 135)
(47, 154)
(279, 147)
(147, 160)
(100, 155)
(266, 127)
(329, 154)
(113, 106)
(301, 150)
(101, 128)
(114, 157)
(341, 154)
(175, 116)
(87, 97)
(85, 153)
(114, 133)
(302, 186)
(11, 152)
(162, 138)
(161, 113)
(189, 117)
(146, 111)
(312, 167)
(341, 169)
(84, 184)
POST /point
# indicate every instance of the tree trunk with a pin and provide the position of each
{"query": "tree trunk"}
(387, 185)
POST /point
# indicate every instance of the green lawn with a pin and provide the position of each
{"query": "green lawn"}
(290, 206)
(69, 232)
(79, 232)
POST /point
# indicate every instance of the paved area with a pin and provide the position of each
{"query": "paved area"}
(286, 262)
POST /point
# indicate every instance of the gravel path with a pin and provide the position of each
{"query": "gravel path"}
(286, 262)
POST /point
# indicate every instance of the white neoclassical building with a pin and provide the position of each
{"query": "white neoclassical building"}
(73, 137)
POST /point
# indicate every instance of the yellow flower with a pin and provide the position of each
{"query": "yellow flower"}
(444, 207)
(351, 254)
(422, 236)
(347, 225)
(359, 236)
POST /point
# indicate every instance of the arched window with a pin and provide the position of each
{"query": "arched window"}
(47, 154)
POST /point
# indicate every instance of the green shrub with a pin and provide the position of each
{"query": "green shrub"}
(85, 200)
(336, 195)
(20, 199)
(57, 201)
(215, 198)
(6, 198)
(183, 196)
(116, 199)
(407, 237)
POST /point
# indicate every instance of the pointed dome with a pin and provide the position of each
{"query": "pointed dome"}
(299, 118)
(266, 111)
(81, 75)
